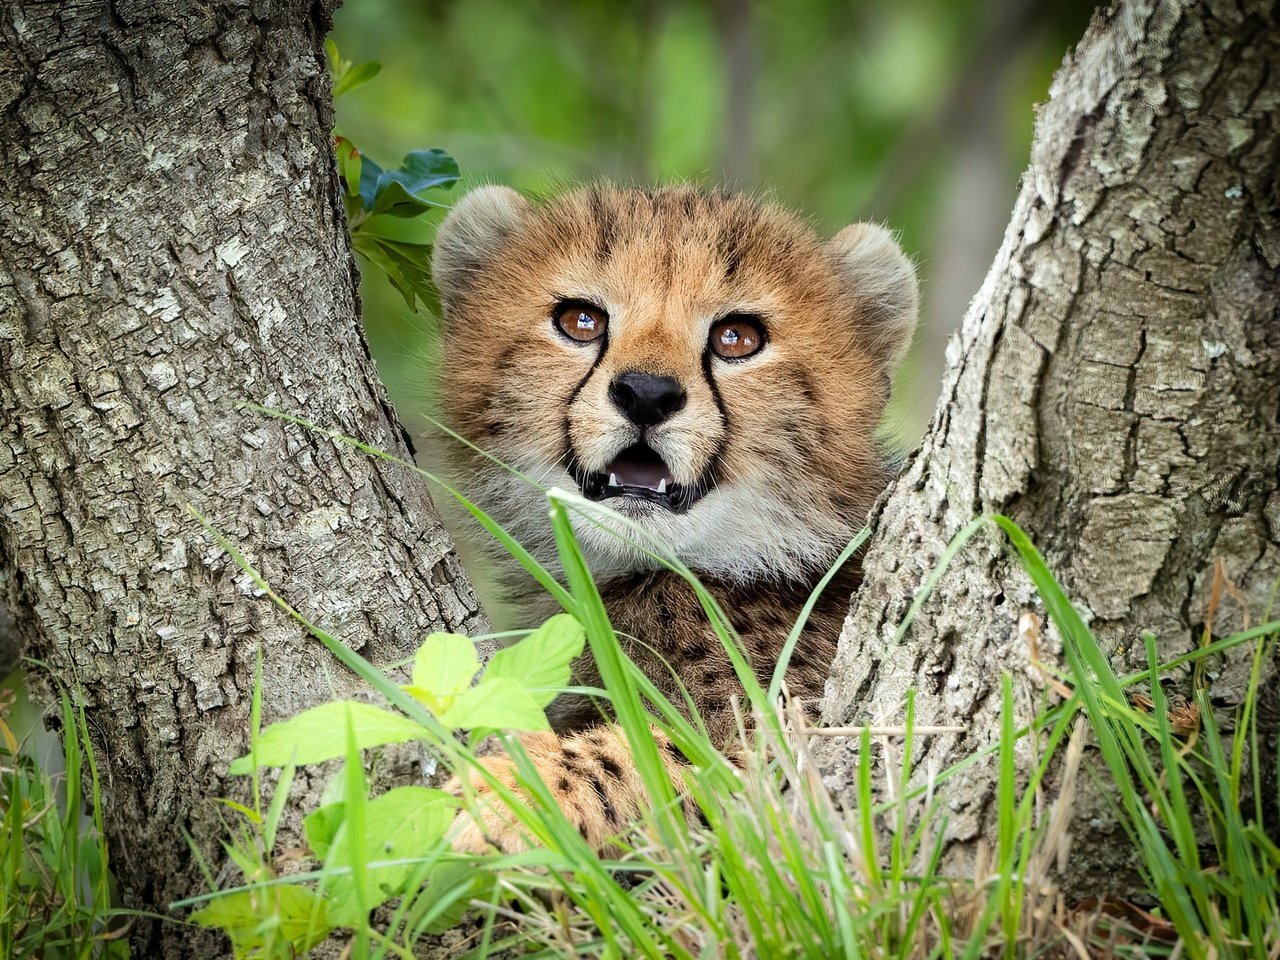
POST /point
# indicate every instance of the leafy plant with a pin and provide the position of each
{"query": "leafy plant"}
(375, 198)
(374, 848)
(347, 75)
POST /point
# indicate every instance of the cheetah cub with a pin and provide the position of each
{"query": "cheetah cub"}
(711, 369)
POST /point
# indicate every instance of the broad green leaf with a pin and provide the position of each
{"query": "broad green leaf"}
(499, 703)
(412, 260)
(397, 200)
(541, 661)
(445, 665)
(370, 172)
(315, 735)
(411, 273)
(430, 168)
(321, 825)
(402, 824)
(253, 918)
(399, 192)
(356, 76)
(372, 250)
(406, 290)
(370, 246)
(335, 791)
(417, 232)
(407, 266)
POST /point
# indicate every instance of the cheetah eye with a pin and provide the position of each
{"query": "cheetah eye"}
(579, 321)
(737, 336)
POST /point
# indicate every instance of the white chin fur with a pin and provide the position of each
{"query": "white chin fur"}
(743, 532)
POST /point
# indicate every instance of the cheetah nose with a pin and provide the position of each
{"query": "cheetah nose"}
(646, 399)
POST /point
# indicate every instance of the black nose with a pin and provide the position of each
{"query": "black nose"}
(646, 399)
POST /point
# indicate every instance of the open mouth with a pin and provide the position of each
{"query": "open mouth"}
(637, 472)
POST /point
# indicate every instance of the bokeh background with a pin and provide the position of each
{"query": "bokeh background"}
(916, 113)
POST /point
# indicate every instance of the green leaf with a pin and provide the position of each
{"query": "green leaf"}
(348, 76)
(314, 735)
(412, 260)
(404, 823)
(407, 266)
(445, 664)
(321, 825)
(418, 232)
(238, 807)
(356, 76)
(371, 249)
(541, 661)
(255, 918)
(398, 192)
(370, 173)
(499, 703)
(395, 199)
(390, 194)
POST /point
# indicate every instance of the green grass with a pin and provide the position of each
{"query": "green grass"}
(774, 867)
(55, 882)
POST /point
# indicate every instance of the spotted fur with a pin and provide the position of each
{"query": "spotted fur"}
(780, 445)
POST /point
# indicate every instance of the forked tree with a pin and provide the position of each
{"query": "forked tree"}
(174, 242)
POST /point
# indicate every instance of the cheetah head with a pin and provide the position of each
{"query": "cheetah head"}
(703, 363)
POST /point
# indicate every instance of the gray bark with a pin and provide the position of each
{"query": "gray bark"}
(171, 242)
(1114, 388)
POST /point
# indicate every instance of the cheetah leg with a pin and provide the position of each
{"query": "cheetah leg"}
(591, 776)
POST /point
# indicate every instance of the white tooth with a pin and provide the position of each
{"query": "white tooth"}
(613, 480)
(662, 485)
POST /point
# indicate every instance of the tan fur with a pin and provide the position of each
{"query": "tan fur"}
(786, 435)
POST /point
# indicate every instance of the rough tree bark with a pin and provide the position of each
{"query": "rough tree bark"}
(1114, 388)
(171, 242)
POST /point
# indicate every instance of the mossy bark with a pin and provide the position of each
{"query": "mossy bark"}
(1115, 389)
(171, 242)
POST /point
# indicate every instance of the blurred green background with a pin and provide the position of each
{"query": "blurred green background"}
(917, 113)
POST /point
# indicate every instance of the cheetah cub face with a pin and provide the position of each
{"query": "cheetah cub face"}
(704, 364)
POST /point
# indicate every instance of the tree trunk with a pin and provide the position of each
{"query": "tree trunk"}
(1114, 388)
(173, 242)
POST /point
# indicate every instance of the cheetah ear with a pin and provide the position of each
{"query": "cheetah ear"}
(882, 280)
(472, 233)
